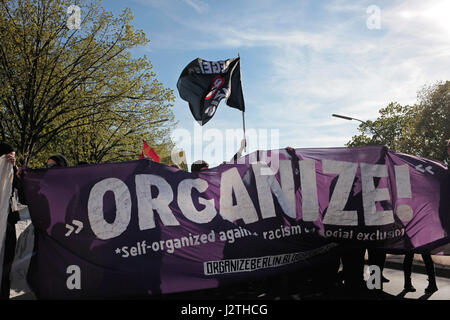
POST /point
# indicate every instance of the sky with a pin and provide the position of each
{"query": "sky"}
(301, 61)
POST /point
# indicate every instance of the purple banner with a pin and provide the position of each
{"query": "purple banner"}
(140, 227)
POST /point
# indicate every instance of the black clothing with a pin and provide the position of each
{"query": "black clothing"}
(377, 257)
(429, 266)
(10, 247)
(5, 148)
(353, 267)
(198, 166)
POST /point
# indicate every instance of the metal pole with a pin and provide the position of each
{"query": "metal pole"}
(243, 118)
(350, 118)
(243, 125)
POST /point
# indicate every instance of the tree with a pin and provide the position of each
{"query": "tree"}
(430, 130)
(421, 129)
(388, 129)
(110, 140)
(76, 88)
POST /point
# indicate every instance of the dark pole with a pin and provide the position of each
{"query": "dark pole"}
(364, 122)
(243, 118)
(243, 125)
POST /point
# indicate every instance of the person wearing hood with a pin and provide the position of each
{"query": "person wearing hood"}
(57, 160)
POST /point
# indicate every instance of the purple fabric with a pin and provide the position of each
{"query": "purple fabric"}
(63, 202)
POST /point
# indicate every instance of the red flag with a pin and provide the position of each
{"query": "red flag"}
(148, 152)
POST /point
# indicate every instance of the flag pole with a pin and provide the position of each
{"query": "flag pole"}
(243, 117)
(243, 123)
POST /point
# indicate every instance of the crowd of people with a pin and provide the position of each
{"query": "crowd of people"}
(353, 258)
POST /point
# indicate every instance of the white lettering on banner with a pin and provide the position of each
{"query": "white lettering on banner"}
(336, 214)
(102, 228)
(231, 235)
(287, 188)
(263, 188)
(310, 201)
(266, 184)
(231, 183)
(403, 182)
(273, 159)
(370, 195)
(257, 263)
(146, 204)
(187, 206)
(235, 201)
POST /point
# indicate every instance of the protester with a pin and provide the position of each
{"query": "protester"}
(199, 165)
(377, 257)
(429, 266)
(10, 234)
(353, 268)
(241, 149)
(57, 160)
(8, 151)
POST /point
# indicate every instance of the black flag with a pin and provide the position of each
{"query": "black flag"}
(205, 83)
